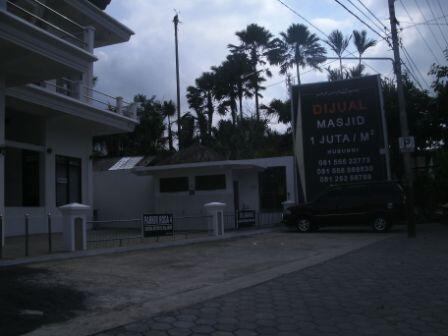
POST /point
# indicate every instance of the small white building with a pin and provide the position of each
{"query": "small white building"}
(49, 110)
(182, 189)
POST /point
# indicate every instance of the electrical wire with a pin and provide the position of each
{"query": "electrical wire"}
(380, 27)
(373, 14)
(442, 11)
(420, 33)
(361, 20)
(434, 17)
(429, 27)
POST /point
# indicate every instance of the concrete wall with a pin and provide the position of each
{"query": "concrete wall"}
(186, 204)
(123, 195)
(119, 194)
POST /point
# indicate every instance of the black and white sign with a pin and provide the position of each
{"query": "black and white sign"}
(157, 225)
(339, 133)
(246, 217)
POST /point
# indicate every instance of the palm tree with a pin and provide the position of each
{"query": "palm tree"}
(296, 47)
(255, 41)
(168, 109)
(334, 74)
(355, 71)
(338, 43)
(232, 83)
(362, 43)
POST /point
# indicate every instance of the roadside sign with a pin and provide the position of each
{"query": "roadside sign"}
(406, 144)
(245, 217)
(340, 133)
(157, 225)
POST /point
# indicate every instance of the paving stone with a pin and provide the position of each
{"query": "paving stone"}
(394, 287)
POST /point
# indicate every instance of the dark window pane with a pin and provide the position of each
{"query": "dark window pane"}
(272, 182)
(210, 182)
(68, 180)
(173, 184)
(31, 176)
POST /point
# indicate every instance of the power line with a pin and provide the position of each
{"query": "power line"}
(434, 16)
(442, 11)
(373, 14)
(429, 27)
(420, 33)
(413, 65)
(412, 74)
(365, 15)
(303, 18)
(361, 20)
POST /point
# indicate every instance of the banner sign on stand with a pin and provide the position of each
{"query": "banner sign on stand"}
(340, 133)
(157, 225)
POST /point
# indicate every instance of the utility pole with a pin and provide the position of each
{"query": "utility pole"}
(176, 23)
(403, 122)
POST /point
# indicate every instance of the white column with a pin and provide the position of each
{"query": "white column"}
(89, 40)
(2, 153)
(119, 105)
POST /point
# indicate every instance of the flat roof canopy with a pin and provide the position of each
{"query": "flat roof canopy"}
(229, 164)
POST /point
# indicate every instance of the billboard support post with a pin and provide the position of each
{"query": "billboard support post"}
(403, 122)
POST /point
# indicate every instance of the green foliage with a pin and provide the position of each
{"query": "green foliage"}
(296, 47)
(148, 137)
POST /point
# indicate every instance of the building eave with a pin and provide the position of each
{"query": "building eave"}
(66, 105)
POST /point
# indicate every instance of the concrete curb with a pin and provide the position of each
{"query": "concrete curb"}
(143, 247)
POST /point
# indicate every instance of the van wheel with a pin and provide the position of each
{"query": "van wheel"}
(304, 224)
(380, 223)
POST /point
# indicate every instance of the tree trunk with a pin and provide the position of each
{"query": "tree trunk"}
(297, 56)
(240, 100)
(340, 64)
(257, 111)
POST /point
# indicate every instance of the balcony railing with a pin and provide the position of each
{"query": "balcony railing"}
(48, 19)
(95, 98)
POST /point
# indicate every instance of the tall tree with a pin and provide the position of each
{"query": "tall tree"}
(232, 84)
(362, 43)
(255, 41)
(338, 43)
(296, 47)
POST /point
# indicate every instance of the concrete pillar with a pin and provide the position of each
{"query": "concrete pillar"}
(2, 153)
(89, 40)
(74, 230)
(119, 105)
(216, 210)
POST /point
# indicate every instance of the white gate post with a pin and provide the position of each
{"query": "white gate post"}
(216, 210)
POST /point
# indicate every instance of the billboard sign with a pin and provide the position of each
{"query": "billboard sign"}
(340, 133)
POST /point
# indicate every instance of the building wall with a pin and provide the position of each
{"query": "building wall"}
(124, 195)
(120, 194)
(68, 138)
(187, 204)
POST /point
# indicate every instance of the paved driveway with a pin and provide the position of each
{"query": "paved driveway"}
(393, 287)
(126, 287)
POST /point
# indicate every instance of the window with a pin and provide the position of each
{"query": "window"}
(173, 184)
(68, 180)
(272, 183)
(23, 175)
(210, 182)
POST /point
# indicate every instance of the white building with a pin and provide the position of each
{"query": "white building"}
(182, 189)
(49, 110)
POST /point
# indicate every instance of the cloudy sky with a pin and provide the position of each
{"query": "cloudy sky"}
(146, 64)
